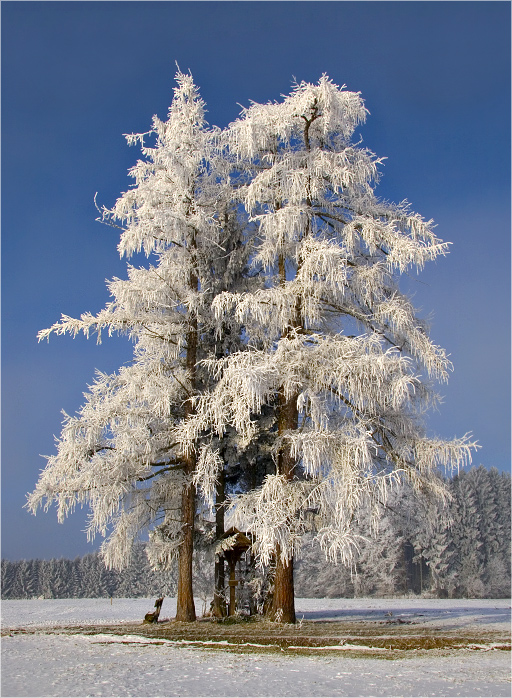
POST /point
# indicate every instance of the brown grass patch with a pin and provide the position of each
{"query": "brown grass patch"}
(308, 637)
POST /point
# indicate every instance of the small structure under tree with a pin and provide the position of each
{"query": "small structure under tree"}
(238, 543)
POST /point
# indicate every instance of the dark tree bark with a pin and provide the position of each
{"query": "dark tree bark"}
(283, 601)
(185, 608)
(282, 608)
(219, 600)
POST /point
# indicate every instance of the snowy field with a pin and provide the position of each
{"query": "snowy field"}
(96, 665)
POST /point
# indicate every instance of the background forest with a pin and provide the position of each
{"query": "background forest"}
(465, 554)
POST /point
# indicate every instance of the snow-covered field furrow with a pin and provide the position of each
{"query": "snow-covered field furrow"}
(98, 665)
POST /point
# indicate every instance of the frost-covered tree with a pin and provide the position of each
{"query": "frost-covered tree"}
(465, 534)
(90, 578)
(424, 525)
(439, 552)
(320, 357)
(24, 581)
(480, 533)
(333, 345)
(120, 454)
(499, 578)
(377, 569)
(7, 578)
(492, 492)
(461, 543)
(489, 528)
(62, 581)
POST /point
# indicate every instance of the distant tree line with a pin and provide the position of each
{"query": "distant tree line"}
(465, 553)
(83, 577)
(458, 551)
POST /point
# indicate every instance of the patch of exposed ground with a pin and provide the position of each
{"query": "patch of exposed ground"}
(385, 639)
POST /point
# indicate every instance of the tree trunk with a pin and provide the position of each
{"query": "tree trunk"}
(185, 608)
(283, 602)
(219, 600)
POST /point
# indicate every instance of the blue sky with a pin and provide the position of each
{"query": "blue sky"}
(435, 77)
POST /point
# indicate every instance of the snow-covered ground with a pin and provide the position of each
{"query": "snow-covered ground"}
(78, 665)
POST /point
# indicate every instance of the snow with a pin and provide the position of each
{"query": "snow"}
(42, 664)
(467, 614)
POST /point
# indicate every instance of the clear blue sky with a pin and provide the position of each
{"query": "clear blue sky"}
(77, 75)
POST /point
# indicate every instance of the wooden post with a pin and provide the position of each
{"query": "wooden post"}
(232, 556)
